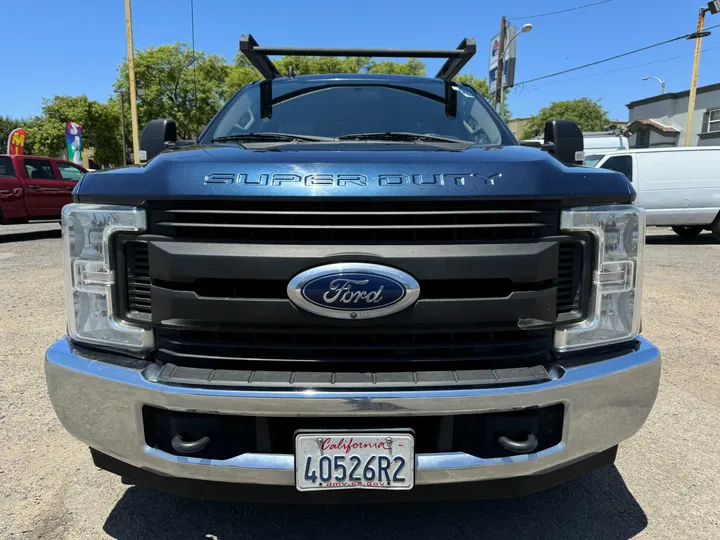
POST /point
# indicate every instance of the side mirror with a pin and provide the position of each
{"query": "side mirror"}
(155, 135)
(564, 140)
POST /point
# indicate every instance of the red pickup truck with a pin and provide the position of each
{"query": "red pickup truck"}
(33, 187)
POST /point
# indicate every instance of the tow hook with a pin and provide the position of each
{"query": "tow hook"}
(518, 447)
(189, 447)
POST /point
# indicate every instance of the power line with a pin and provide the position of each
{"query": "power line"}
(192, 24)
(605, 60)
(624, 68)
(561, 11)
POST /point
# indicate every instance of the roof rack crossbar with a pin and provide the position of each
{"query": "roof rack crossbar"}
(259, 56)
(386, 53)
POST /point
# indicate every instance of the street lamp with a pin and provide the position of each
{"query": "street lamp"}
(658, 79)
(524, 29)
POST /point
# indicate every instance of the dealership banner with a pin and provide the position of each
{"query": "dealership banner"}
(73, 140)
(16, 141)
(508, 60)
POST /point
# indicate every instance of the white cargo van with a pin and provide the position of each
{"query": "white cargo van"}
(679, 187)
(596, 143)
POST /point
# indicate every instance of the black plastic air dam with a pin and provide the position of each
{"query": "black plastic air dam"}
(225, 491)
(233, 435)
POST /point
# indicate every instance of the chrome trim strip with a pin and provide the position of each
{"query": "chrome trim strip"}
(280, 468)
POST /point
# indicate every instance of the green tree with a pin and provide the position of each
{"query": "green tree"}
(478, 84)
(587, 113)
(169, 76)
(483, 89)
(103, 134)
(100, 122)
(46, 137)
(412, 66)
(237, 78)
(242, 72)
(309, 65)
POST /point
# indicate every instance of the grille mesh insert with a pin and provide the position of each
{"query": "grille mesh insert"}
(355, 222)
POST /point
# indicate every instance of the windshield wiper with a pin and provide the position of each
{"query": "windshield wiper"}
(399, 136)
(270, 137)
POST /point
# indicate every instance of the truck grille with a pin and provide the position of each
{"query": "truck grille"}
(138, 302)
(569, 284)
(343, 351)
(211, 278)
(137, 276)
(367, 222)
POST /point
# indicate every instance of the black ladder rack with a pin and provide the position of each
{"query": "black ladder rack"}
(259, 56)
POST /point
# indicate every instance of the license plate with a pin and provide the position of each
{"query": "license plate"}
(354, 461)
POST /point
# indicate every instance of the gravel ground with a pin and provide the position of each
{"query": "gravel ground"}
(666, 482)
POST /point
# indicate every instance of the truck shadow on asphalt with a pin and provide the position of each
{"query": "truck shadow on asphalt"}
(676, 240)
(31, 235)
(598, 505)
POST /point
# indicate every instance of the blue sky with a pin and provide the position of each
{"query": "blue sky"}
(75, 46)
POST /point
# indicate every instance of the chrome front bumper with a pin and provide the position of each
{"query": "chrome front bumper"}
(99, 399)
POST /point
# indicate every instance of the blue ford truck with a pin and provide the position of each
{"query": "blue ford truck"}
(353, 288)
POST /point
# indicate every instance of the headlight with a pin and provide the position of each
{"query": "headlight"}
(616, 292)
(87, 236)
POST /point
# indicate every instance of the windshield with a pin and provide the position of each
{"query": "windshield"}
(336, 108)
(591, 161)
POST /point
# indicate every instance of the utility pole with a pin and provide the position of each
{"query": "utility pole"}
(122, 125)
(131, 76)
(712, 7)
(500, 66)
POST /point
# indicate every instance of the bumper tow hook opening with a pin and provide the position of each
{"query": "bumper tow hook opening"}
(518, 447)
(189, 447)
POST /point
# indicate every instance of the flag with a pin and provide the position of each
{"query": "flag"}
(73, 140)
(16, 141)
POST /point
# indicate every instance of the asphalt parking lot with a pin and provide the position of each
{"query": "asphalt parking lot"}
(665, 484)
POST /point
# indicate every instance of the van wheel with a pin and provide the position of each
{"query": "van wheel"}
(715, 230)
(688, 232)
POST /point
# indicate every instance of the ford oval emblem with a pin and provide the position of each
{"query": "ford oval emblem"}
(353, 290)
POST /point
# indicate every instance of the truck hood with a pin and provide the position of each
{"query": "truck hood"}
(354, 170)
